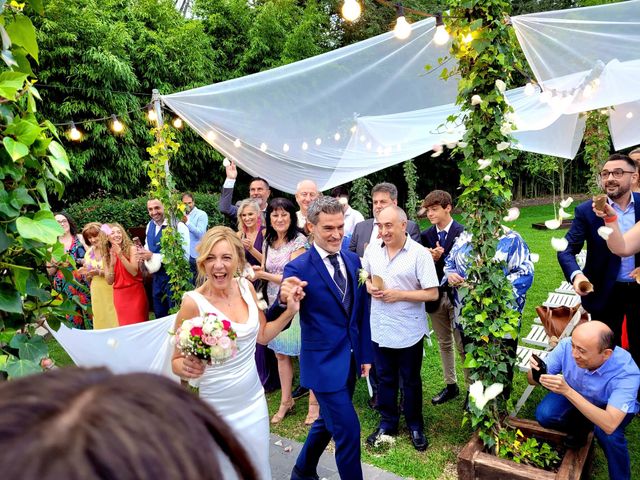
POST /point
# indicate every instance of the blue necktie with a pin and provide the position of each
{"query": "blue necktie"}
(341, 282)
(442, 236)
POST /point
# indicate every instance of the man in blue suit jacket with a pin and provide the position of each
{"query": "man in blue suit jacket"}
(615, 294)
(336, 339)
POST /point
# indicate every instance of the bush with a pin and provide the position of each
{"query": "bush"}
(133, 212)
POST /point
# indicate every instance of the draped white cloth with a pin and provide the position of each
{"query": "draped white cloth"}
(346, 113)
(141, 347)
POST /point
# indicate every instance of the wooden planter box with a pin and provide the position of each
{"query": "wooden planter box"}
(474, 464)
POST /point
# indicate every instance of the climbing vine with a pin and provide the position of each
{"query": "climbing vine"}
(597, 145)
(359, 196)
(162, 187)
(411, 177)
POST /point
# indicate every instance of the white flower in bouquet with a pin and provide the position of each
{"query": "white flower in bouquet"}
(476, 100)
(186, 325)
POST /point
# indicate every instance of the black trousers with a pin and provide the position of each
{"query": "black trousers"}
(623, 301)
(394, 364)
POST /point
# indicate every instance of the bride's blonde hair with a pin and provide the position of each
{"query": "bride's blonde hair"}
(209, 240)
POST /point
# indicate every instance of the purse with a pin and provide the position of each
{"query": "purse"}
(555, 319)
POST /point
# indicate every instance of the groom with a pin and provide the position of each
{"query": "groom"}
(336, 339)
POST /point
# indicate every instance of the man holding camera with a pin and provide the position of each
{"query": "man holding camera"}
(592, 383)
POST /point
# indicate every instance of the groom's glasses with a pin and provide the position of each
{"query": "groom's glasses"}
(617, 173)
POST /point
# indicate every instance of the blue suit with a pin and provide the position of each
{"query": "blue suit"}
(601, 268)
(336, 340)
(160, 286)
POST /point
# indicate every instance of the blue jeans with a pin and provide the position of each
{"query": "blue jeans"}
(555, 411)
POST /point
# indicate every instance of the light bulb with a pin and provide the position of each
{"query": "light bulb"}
(318, 141)
(369, 145)
(402, 30)
(353, 129)
(116, 125)
(151, 115)
(351, 10)
(74, 133)
(177, 122)
(336, 136)
(629, 115)
(362, 138)
(529, 89)
(468, 38)
(211, 136)
(263, 147)
(305, 145)
(237, 143)
(441, 36)
(588, 91)
(285, 148)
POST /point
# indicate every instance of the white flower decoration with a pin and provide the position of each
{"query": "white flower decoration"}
(481, 396)
(604, 232)
(462, 144)
(503, 146)
(559, 244)
(486, 178)
(451, 145)
(562, 214)
(501, 86)
(226, 162)
(506, 128)
(437, 150)
(482, 163)
(566, 202)
(505, 229)
(476, 100)
(343, 201)
(436, 154)
(553, 224)
(512, 214)
(534, 257)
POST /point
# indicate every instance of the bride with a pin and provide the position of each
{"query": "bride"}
(233, 388)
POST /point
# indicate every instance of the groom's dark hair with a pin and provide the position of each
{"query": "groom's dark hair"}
(327, 205)
(90, 424)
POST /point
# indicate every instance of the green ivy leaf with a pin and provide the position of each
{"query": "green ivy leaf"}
(34, 349)
(58, 159)
(43, 227)
(10, 300)
(18, 340)
(23, 33)
(5, 241)
(16, 150)
(10, 83)
(16, 368)
(37, 6)
(25, 131)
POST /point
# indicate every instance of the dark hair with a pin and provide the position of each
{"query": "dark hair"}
(73, 228)
(386, 187)
(280, 203)
(187, 194)
(624, 158)
(437, 197)
(260, 179)
(90, 424)
(607, 340)
(339, 192)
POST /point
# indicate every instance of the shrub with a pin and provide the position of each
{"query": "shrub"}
(133, 212)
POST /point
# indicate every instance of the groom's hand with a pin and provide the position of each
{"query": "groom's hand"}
(289, 286)
(364, 369)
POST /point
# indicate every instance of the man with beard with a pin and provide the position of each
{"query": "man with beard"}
(615, 294)
(259, 191)
(196, 221)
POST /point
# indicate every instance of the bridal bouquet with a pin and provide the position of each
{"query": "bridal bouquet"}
(208, 338)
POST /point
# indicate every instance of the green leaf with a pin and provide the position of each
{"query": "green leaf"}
(10, 300)
(34, 349)
(5, 241)
(43, 227)
(21, 195)
(16, 150)
(23, 33)
(25, 131)
(20, 276)
(18, 340)
(10, 83)
(16, 368)
(58, 159)
(37, 6)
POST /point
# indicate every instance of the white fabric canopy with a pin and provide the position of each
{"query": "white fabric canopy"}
(142, 347)
(367, 106)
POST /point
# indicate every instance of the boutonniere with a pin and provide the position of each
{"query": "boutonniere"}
(363, 276)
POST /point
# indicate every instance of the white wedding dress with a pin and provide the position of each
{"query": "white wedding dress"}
(233, 388)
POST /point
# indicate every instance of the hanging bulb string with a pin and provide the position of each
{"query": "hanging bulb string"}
(109, 117)
(84, 89)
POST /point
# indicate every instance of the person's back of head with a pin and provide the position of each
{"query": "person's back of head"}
(91, 424)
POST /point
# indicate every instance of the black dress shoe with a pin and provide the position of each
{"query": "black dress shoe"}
(296, 474)
(375, 436)
(447, 393)
(299, 392)
(419, 441)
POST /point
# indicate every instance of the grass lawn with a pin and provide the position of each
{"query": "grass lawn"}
(443, 423)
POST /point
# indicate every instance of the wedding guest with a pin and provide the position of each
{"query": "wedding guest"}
(104, 311)
(259, 191)
(251, 234)
(196, 221)
(232, 387)
(635, 156)
(91, 424)
(351, 216)
(282, 243)
(76, 290)
(121, 262)
(306, 193)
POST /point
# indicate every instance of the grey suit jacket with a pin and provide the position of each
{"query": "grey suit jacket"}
(225, 204)
(362, 234)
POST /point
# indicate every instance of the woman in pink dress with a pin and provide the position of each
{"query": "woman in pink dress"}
(121, 264)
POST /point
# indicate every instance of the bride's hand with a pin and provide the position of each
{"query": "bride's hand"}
(294, 298)
(192, 367)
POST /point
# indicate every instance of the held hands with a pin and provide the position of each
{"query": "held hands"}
(555, 384)
(364, 369)
(294, 297)
(292, 287)
(192, 367)
(231, 170)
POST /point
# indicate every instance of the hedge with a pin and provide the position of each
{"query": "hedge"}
(133, 212)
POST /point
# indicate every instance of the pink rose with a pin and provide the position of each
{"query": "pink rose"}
(226, 324)
(224, 342)
(210, 340)
(196, 332)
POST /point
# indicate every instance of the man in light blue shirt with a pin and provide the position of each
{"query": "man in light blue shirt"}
(591, 381)
(196, 221)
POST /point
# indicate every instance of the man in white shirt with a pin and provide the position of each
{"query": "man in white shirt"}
(399, 321)
(152, 255)
(351, 216)
(259, 191)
